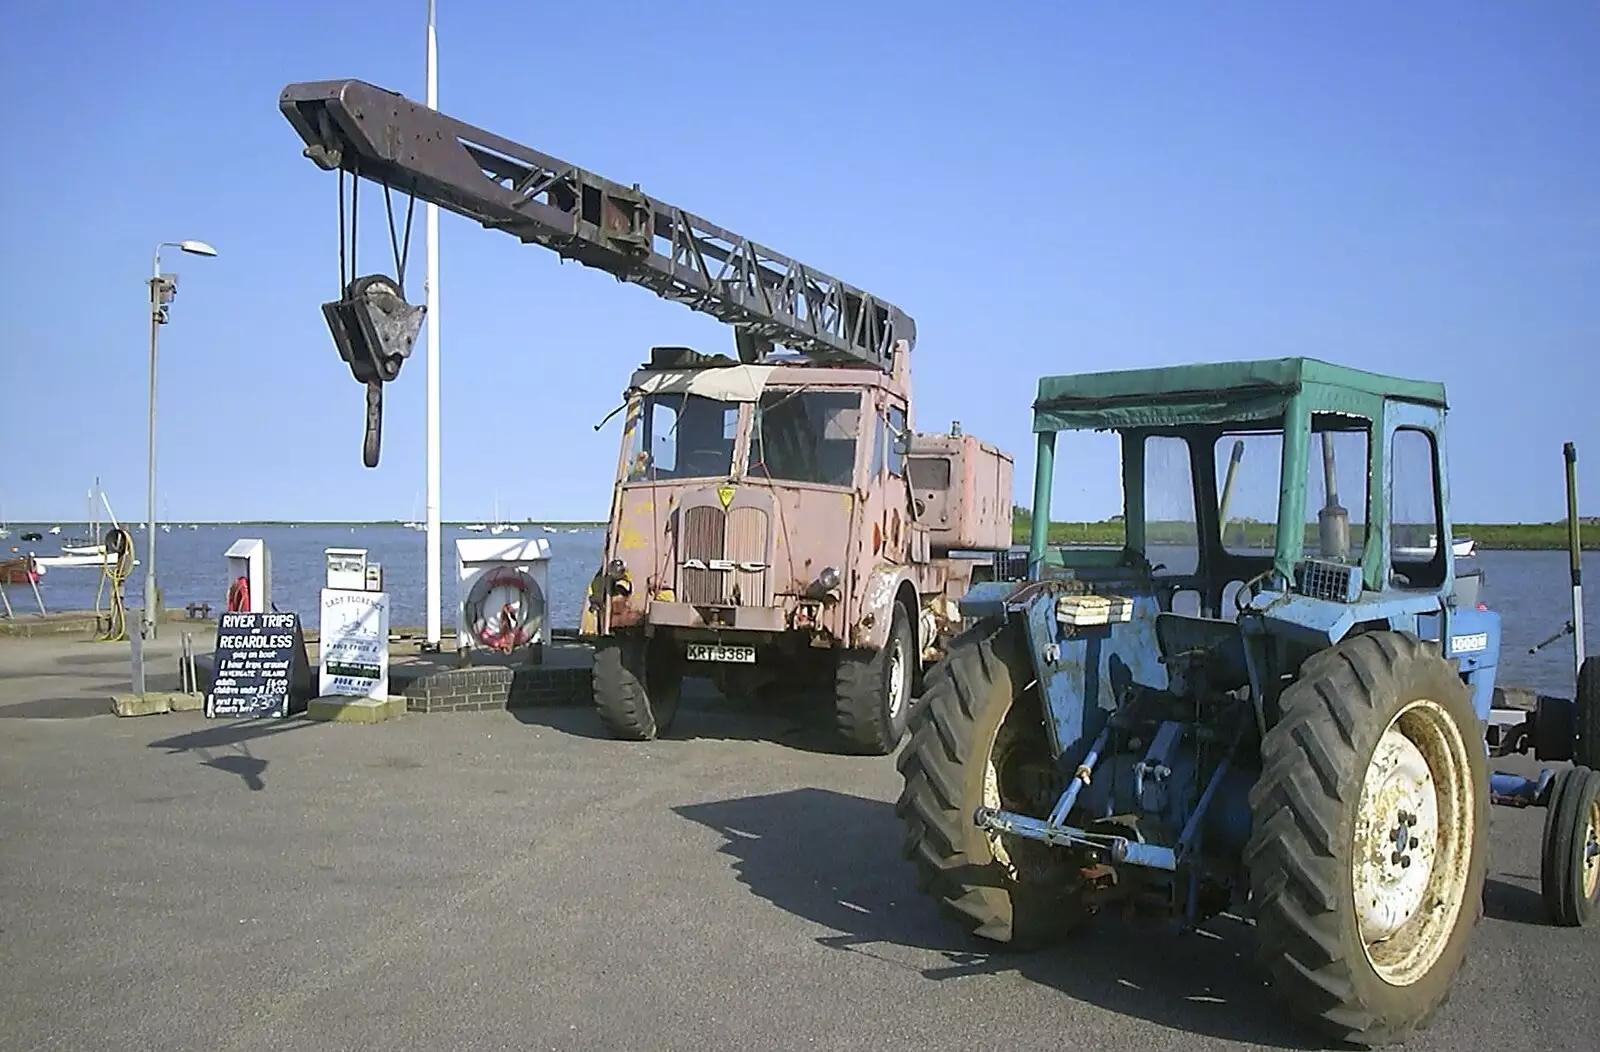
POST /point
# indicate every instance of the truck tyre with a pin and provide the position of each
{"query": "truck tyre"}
(636, 685)
(1369, 837)
(872, 690)
(1569, 872)
(1586, 714)
(978, 740)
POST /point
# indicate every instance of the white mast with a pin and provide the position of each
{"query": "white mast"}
(431, 291)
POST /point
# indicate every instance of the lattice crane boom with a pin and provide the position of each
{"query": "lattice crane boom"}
(770, 299)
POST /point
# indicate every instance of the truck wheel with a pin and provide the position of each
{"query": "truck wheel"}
(636, 686)
(872, 690)
(1368, 846)
(1586, 714)
(1569, 873)
(978, 740)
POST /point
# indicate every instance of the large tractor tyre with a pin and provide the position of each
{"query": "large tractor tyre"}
(1586, 714)
(637, 682)
(1569, 872)
(1369, 837)
(872, 690)
(978, 739)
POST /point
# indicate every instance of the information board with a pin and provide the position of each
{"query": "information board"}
(353, 644)
(261, 666)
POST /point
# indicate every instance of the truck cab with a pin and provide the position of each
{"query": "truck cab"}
(775, 522)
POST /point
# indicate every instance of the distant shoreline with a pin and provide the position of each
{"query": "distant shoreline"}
(1488, 536)
(66, 524)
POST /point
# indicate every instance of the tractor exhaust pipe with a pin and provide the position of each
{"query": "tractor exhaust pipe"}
(1333, 521)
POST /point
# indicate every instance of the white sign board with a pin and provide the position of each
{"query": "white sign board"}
(353, 644)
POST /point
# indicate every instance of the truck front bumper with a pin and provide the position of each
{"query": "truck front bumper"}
(717, 618)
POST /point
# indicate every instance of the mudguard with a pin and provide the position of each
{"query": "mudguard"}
(869, 627)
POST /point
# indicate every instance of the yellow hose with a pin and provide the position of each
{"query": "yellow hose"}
(114, 572)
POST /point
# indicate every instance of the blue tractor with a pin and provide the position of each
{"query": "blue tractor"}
(1259, 703)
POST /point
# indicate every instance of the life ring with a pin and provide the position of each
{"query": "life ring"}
(239, 595)
(504, 623)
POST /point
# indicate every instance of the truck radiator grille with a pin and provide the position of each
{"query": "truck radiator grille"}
(715, 544)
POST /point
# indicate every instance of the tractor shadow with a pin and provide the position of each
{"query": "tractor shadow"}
(834, 859)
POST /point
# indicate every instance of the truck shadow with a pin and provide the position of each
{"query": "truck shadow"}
(793, 719)
(833, 859)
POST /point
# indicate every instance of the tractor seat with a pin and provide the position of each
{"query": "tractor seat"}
(1225, 664)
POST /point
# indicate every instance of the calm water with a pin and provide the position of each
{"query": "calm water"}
(1530, 589)
(191, 568)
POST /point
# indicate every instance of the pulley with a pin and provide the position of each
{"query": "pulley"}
(374, 329)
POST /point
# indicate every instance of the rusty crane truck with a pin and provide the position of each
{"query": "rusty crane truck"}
(775, 517)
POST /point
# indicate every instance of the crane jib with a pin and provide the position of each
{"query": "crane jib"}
(771, 299)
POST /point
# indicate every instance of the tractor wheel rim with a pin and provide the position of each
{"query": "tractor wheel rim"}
(1591, 852)
(897, 678)
(1413, 844)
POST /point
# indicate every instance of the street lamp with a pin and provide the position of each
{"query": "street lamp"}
(163, 287)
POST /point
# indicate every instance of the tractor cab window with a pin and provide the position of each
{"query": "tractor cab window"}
(806, 435)
(1336, 488)
(1414, 511)
(1172, 538)
(1249, 465)
(679, 436)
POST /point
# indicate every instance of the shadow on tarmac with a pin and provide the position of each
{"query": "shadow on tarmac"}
(834, 859)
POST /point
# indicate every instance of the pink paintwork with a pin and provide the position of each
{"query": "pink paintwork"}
(779, 513)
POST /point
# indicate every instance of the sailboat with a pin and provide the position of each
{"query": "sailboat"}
(77, 552)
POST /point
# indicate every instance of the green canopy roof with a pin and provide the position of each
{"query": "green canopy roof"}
(1217, 393)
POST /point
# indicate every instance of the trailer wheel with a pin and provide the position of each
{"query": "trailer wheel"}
(1586, 714)
(872, 690)
(1368, 842)
(978, 739)
(1569, 873)
(637, 682)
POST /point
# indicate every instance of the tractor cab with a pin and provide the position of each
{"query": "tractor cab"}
(1270, 509)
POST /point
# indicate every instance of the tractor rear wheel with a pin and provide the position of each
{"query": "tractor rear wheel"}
(1569, 873)
(978, 740)
(1369, 838)
(637, 682)
(1586, 714)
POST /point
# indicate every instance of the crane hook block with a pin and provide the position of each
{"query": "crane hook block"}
(374, 329)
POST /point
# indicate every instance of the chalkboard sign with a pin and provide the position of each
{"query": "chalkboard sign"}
(261, 666)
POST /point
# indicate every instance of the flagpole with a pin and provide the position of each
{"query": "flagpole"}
(431, 290)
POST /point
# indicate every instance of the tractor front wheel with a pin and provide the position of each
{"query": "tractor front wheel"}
(1368, 845)
(978, 740)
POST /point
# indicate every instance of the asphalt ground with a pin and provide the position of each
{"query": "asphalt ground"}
(498, 881)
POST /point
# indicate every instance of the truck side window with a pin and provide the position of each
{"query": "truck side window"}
(895, 440)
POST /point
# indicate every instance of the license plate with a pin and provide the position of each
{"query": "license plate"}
(722, 652)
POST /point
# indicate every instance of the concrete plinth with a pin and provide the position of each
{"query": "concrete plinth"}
(155, 702)
(336, 709)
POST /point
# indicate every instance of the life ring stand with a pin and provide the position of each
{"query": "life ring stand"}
(514, 623)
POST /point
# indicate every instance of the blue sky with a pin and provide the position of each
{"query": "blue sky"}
(1046, 188)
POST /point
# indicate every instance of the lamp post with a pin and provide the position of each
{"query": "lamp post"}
(162, 290)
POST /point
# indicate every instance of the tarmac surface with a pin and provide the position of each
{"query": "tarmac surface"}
(495, 880)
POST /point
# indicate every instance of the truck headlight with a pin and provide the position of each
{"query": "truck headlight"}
(828, 579)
